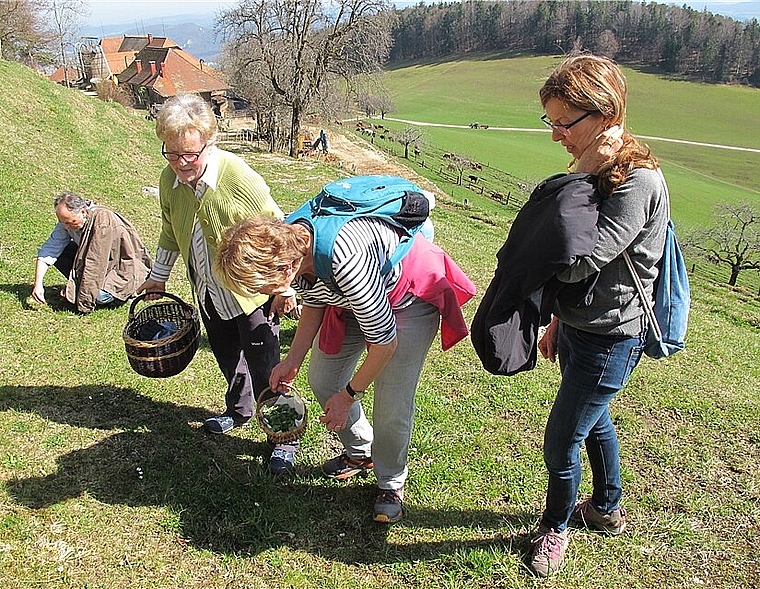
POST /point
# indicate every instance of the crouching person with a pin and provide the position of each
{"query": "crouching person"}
(392, 315)
(97, 250)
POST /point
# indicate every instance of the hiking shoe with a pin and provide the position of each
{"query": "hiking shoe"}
(549, 547)
(222, 424)
(342, 467)
(586, 515)
(389, 506)
(283, 458)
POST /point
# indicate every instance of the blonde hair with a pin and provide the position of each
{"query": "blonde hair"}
(251, 253)
(185, 112)
(596, 84)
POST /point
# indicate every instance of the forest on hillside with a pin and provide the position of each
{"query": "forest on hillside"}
(680, 41)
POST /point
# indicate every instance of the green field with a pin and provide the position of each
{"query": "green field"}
(107, 482)
(503, 92)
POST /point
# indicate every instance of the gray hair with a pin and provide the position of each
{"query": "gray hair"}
(71, 201)
(184, 112)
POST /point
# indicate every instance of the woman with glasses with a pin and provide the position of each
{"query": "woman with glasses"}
(598, 335)
(203, 191)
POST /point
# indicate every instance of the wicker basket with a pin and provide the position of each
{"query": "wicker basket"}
(269, 399)
(167, 356)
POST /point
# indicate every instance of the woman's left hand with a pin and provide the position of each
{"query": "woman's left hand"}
(604, 146)
(336, 411)
(282, 305)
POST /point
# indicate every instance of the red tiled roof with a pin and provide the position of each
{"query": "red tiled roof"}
(174, 71)
(58, 75)
(120, 51)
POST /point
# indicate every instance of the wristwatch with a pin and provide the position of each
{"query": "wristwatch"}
(355, 395)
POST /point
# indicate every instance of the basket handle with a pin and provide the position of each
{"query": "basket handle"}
(188, 308)
(268, 393)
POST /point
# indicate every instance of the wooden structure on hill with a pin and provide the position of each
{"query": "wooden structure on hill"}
(108, 57)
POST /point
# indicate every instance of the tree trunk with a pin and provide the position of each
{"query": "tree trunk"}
(734, 276)
(295, 129)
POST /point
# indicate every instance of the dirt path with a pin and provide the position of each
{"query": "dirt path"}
(359, 157)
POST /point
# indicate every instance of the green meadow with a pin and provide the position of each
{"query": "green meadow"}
(107, 482)
(503, 92)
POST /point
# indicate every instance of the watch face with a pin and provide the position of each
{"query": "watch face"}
(358, 395)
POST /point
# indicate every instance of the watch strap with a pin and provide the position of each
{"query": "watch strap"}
(354, 394)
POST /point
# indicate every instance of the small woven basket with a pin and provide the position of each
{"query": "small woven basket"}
(268, 400)
(167, 356)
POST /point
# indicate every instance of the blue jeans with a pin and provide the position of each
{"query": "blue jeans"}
(594, 368)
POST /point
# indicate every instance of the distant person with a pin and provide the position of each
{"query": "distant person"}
(203, 191)
(360, 328)
(98, 252)
(597, 335)
(321, 141)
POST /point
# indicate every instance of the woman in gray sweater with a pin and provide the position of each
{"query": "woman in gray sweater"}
(599, 341)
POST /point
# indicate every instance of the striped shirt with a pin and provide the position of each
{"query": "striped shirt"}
(362, 247)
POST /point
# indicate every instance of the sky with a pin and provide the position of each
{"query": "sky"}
(103, 12)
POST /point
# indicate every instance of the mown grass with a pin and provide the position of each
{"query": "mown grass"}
(107, 481)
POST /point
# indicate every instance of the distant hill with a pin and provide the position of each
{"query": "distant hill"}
(193, 33)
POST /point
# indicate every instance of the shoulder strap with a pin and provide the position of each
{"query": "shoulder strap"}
(648, 309)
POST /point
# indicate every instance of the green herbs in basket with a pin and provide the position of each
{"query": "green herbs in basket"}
(282, 418)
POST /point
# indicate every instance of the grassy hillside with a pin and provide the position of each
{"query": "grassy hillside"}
(106, 481)
(503, 92)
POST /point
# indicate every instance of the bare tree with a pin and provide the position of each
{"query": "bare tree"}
(66, 20)
(21, 32)
(385, 104)
(409, 136)
(733, 240)
(296, 47)
(458, 164)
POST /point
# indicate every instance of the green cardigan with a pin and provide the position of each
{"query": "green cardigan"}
(240, 193)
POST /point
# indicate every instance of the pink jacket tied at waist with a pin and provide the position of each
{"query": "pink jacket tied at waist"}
(428, 273)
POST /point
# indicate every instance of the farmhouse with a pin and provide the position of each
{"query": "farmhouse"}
(104, 59)
(158, 73)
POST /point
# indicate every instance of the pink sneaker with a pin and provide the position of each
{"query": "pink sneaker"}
(549, 547)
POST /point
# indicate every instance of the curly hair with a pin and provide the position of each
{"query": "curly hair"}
(596, 84)
(184, 112)
(253, 252)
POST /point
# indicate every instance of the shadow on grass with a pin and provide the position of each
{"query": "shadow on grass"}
(23, 292)
(218, 491)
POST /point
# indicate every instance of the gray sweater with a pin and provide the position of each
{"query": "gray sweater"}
(635, 218)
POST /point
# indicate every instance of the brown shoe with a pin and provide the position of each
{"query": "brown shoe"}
(586, 515)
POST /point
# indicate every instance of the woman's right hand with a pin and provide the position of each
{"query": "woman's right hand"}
(604, 146)
(151, 285)
(547, 345)
(283, 374)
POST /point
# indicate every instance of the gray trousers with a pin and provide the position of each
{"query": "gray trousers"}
(394, 389)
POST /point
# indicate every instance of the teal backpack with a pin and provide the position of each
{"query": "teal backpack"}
(390, 198)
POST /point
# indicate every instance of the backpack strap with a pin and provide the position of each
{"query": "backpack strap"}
(648, 308)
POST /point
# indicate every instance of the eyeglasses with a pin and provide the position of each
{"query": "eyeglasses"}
(564, 128)
(189, 158)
